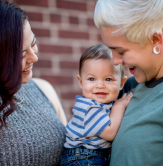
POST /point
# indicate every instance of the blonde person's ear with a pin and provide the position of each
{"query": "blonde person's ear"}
(79, 81)
(123, 81)
(157, 41)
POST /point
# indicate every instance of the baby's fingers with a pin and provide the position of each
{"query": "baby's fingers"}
(124, 96)
(129, 96)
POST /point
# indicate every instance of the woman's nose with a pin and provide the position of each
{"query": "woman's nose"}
(32, 55)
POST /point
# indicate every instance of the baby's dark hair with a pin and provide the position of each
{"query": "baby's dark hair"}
(99, 51)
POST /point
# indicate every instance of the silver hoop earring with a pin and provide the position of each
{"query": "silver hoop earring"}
(156, 50)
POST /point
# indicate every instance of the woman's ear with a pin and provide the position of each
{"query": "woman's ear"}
(79, 81)
(157, 40)
(123, 81)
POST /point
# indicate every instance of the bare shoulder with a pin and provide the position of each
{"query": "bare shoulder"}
(43, 84)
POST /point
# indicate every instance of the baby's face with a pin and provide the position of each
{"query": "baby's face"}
(100, 80)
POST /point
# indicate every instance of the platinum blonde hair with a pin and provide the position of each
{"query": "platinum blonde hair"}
(138, 20)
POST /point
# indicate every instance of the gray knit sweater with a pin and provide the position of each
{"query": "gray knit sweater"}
(35, 135)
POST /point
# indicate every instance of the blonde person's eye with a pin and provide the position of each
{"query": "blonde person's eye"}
(91, 79)
(121, 53)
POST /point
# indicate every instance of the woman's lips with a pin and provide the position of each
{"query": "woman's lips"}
(101, 94)
(132, 70)
(27, 70)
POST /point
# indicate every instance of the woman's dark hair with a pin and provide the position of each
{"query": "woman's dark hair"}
(12, 19)
(99, 51)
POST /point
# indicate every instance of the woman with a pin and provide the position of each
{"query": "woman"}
(30, 130)
(132, 29)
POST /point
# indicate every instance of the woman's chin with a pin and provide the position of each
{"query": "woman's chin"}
(26, 78)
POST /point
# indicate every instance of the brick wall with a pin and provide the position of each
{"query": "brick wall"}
(64, 29)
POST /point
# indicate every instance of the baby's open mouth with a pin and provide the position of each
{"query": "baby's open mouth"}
(103, 93)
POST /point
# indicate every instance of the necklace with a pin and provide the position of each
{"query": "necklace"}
(23, 96)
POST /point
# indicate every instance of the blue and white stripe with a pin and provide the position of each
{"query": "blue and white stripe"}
(89, 120)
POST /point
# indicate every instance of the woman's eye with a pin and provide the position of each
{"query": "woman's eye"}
(33, 44)
(23, 56)
(108, 79)
(91, 79)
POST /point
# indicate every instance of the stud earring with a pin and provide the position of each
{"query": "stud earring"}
(156, 50)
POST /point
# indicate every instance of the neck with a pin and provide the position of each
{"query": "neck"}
(159, 74)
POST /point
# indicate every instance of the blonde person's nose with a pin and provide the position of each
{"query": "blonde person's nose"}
(116, 60)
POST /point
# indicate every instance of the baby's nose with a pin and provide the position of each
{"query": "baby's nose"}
(100, 84)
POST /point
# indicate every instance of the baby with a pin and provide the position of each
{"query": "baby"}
(97, 117)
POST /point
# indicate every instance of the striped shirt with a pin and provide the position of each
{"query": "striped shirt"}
(89, 120)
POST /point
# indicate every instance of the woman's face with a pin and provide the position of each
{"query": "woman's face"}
(141, 61)
(29, 53)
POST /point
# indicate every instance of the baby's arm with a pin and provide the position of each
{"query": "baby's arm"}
(116, 116)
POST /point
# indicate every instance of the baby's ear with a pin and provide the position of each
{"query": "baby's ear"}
(79, 81)
(123, 81)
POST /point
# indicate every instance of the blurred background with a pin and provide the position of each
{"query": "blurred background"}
(64, 29)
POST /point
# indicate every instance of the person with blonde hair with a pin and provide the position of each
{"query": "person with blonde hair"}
(132, 29)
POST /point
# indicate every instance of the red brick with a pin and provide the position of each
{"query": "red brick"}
(55, 49)
(43, 63)
(71, 5)
(55, 18)
(41, 3)
(58, 80)
(91, 7)
(99, 37)
(71, 109)
(70, 95)
(41, 32)
(73, 35)
(90, 22)
(34, 16)
(82, 49)
(74, 20)
(69, 65)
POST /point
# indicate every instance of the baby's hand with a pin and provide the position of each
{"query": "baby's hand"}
(116, 115)
(125, 100)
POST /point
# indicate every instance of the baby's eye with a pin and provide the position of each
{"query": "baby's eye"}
(91, 79)
(108, 79)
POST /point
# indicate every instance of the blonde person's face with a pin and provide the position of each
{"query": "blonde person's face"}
(29, 53)
(100, 80)
(141, 61)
